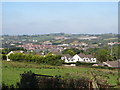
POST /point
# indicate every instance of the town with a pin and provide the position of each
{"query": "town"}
(59, 45)
(60, 49)
(66, 45)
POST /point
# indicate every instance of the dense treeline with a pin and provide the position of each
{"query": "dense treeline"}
(47, 59)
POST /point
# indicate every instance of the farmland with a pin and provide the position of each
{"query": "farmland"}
(11, 72)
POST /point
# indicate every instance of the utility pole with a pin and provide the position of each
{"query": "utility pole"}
(111, 45)
(111, 51)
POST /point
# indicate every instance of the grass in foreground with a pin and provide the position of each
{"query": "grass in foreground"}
(11, 72)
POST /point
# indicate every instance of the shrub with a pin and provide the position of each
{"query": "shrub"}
(104, 67)
(28, 80)
(48, 59)
(5, 87)
(84, 63)
(31, 80)
(3, 56)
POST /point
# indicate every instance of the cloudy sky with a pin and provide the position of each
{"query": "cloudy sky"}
(53, 17)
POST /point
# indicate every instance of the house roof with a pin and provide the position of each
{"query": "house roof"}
(67, 55)
(83, 55)
(57, 53)
(113, 63)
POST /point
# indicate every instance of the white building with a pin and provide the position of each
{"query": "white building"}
(79, 58)
(13, 53)
(67, 58)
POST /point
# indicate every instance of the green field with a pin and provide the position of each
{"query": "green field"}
(11, 72)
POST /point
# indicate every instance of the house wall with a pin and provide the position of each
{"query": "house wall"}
(76, 58)
(8, 55)
(11, 53)
(91, 60)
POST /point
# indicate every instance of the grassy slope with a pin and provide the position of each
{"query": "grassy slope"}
(12, 70)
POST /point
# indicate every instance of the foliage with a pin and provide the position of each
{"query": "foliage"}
(103, 67)
(91, 51)
(11, 71)
(31, 80)
(48, 59)
(71, 51)
(68, 51)
(3, 56)
(84, 63)
(102, 55)
(7, 50)
(116, 52)
(28, 80)
(5, 87)
(57, 82)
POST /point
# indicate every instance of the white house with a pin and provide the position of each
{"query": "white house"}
(88, 58)
(79, 58)
(67, 58)
(11, 53)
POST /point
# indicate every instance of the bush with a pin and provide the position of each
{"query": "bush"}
(48, 59)
(28, 80)
(5, 87)
(31, 80)
(104, 67)
(84, 63)
(3, 56)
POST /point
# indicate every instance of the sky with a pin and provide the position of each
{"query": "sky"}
(31, 18)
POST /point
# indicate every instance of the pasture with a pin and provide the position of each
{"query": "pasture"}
(11, 72)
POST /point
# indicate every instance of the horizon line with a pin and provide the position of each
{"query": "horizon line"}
(55, 33)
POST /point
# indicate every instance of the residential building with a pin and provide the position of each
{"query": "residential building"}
(13, 53)
(79, 58)
(114, 64)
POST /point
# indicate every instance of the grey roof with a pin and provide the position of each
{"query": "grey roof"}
(67, 55)
(83, 55)
(115, 63)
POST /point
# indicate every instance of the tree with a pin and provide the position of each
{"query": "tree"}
(116, 52)
(102, 55)
(91, 51)
(48, 59)
(28, 80)
(68, 51)
(71, 51)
